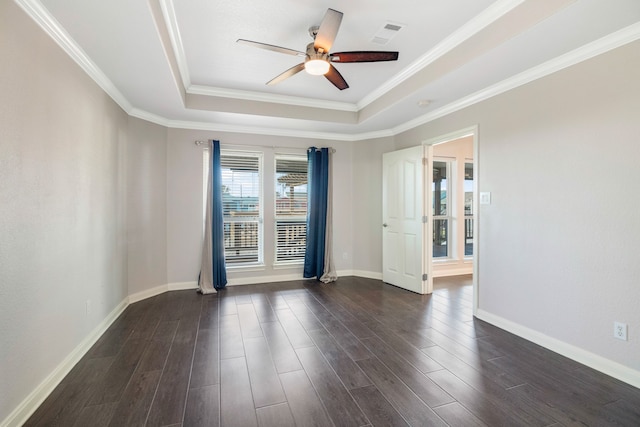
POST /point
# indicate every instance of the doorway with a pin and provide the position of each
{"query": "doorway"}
(418, 226)
(453, 210)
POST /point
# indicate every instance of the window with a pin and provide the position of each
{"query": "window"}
(247, 243)
(441, 209)
(468, 209)
(291, 208)
(242, 207)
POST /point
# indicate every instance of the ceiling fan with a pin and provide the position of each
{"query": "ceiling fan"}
(317, 59)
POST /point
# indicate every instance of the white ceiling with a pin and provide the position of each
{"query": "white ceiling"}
(177, 63)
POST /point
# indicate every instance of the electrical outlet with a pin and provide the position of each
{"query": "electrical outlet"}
(345, 256)
(88, 307)
(620, 330)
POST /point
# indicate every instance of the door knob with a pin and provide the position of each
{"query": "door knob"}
(384, 225)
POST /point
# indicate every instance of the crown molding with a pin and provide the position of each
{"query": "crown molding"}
(612, 41)
(254, 130)
(363, 136)
(43, 18)
(149, 117)
(266, 97)
(583, 53)
(472, 27)
(171, 23)
(52, 27)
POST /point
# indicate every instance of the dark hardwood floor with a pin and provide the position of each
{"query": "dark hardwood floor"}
(354, 353)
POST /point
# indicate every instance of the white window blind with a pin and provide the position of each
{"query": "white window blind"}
(291, 208)
(242, 207)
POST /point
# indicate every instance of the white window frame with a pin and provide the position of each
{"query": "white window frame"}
(468, 258)
(247, 266)
(449, 217)
(276, 218)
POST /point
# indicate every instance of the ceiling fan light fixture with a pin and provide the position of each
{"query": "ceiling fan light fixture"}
(316, 67)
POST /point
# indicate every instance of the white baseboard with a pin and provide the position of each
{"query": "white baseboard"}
(344, 273)
(599, 363)
(289, 277)
(152, 292)
(236, 281)
(239, 281)
(147, 293)
(29, 405)
(182, 286)
(367, 274)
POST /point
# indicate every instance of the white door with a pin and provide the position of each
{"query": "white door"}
(406, 256)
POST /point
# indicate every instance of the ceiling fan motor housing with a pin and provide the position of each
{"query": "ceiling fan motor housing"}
(316, 61)
(312, 53)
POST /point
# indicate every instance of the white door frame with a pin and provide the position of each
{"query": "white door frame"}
(469, 131)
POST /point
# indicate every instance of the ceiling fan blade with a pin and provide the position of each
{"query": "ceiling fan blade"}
(290, 72)
(328, 30)
(336, 78)
(363, 56)
(272, 47)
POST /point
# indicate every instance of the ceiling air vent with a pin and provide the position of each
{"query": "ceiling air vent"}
(387, 32)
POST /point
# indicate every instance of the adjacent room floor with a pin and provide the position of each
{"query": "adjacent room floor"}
(357, 352)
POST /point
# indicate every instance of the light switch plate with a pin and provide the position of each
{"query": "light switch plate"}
(485, 198)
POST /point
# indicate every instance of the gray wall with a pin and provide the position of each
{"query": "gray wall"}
(146, 206)
(558, 246)
(367, 205)
(62, 206)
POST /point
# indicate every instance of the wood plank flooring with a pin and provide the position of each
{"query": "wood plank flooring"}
(354, 353)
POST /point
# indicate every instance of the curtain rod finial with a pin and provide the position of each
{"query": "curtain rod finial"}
(198, 143)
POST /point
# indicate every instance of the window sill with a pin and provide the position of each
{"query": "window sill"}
(288, 265)
(248, 267)
(444, 261)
